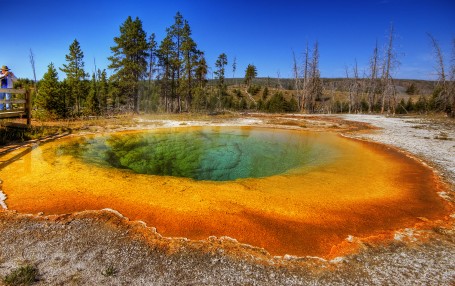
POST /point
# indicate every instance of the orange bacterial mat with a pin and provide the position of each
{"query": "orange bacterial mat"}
(365, 190)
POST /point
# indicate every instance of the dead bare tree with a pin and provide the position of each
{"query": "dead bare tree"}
(314, 80)
(440, 67)
(32, 62)
(357, 88)
(354, 88)
(305, 79)
(302, 77)
(452, 81)
(444, 91)
(297, 81)
(390, 62)
(278, 74)
(349, 88)
(372, 80)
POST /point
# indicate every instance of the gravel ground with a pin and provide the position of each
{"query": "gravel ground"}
(81, 248)
(435, 143)
(104, 248)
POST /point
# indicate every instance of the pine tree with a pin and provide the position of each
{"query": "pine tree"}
(201, 71)
(182, 67)
(276, 103)
(409, 105)
(175, 32)
(265, 93)
(103, 91)
(151, 100)
(152, 56)
(292, 105)
(421, 105)
(129, 60)
(220, 65)
(234, 68)
(93, 105)
(412, 89)
(243, 104)
(401, 107)
(75, 74)
(200, 92)
(250, 74)
(67, 98)
(165, 55)
(48, 97)
(190, 58)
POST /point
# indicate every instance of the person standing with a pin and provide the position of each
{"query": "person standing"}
(7, 78)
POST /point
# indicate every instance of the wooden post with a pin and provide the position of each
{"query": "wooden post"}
(28, 107)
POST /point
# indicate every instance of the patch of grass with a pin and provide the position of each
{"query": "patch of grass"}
(12, 134)
(418, 127)
(442, 136)
(109, 271)
(24, 275)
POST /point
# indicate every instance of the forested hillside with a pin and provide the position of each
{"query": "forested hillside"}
(172, 75)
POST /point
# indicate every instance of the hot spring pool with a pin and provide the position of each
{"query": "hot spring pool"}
(290, 192)
(211, 154)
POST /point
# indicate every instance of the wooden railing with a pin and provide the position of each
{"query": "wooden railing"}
(19, 105)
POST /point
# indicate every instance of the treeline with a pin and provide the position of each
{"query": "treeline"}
(171, 76)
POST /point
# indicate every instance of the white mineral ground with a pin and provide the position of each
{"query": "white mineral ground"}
(81, 248)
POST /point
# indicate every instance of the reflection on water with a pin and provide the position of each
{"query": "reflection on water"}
(205, 154)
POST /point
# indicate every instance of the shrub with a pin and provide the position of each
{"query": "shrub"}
(254, 89)
(292, 105)
(276, 103)
(412, 89)
(109, 271)
(24, 275)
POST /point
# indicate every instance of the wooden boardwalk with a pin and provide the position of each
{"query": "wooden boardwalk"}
(20, 104)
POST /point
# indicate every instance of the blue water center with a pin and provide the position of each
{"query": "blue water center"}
(205, 153)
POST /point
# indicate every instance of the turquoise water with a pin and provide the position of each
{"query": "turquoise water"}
(216, 154)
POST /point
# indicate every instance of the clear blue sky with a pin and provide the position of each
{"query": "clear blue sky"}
(263, 33)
